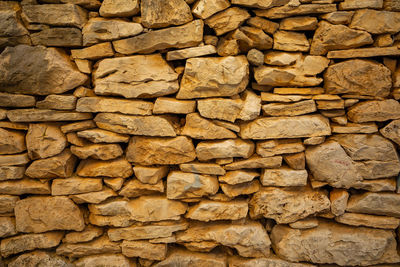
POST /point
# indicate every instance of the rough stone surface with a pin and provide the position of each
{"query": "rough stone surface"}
(208, 210)
(182, 185)
(207, 150)
(11, 142)
(374, 111)
(383, 22)
(119, 8)
(105, 104)
(227, 20)
(200, 128)
(118, 167)
(374, 203)
(159, 14)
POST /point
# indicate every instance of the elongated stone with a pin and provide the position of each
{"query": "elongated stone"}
(208, 210)
(289, 11)
(103, 136)
(202, 168)
(97, 151)
(105, 104)
(60, 102)
(44, 115)
(61, 37)
(118, 167)
(365, 52)
(207, 150)
(284, 177)
(100, 245)
(150, 175)
(227, 20)
(119, 8)
(374, 203)
(17, 159)
(367, 220)
(16, 100)
(11, 172)
(75, 185)
(172, 105)
(255, 162)
(189, 258)
(144, 249)
(198, 127)
(383, 22)
(25, 186)
(374, 111)
(159, 14)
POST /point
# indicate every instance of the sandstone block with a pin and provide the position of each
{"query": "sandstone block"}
(119, 8)
(206, 8)
(191, 52)
(207, 210)
(171, 105)
(356, 219)
(198, 127)
(227, 20)
(144, 249)
(374, 203)
(291, 41)
(97, 151)
(283, 177)
(11, 142)
(100, 245)
(88, 234)
(68, 37)
(112, 260)
(159, 14)
(103, 136)
(118, 167)
(383, 22)
(182, 185)
(202, 168)
(16, 100)
(75, 185)
(25, 186)
(60, 102)
(150, 175)
(11, 172)
(45, 115)
(374, 111)
(207, 150)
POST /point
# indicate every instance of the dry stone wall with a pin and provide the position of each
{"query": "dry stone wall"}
(240, 133)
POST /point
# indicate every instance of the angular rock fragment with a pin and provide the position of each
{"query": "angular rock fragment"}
(220, 108)
(198, 127)
(284, 177)
(45, 115)
(134, 188)
(103, 136)
(375, 203)
(367, 220)
(144, 249)
(338, 198)
(17, 159)
(237, 177)
(45, 71)
(277, 147)
(208, 210)
(206, 8)
(294, 109)
(272, 260)
(38, 258)
(255, 162)
(227, 20)
(191, 52)
(7, 227)
(11, 172)
(157, 150)
(374, 111)
(299, 24)
(354, 4)
(62, 37)
(112, 260)
(105, 104)
(159, 14)
(365, 52)
(118, 167)
(150, 175)
(75, 185)
(188, 35)
(94, 197)
(260, 3)
(100, 245)
(11, 142)
(171, 105)
(119, 8)
(291, 41)
(88, 234)
(137, 76)
(235, 190)
(202, 168)
(93, 52)
(207, 150)
(60, 102)
(383, 22)
(295, 10)
(16, 100)
(25, 186)
(97, 151)
(182, 185)
(391, 131)
(41, 214)
(210, 77)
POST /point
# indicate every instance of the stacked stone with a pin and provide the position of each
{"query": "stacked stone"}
(199, 133)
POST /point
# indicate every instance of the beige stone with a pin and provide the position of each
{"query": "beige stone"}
(41, 214)
(118, 167)
(12, 25)
(69, 37)
(94, 197)
(208, 210)
(17, 244)
(45, 140)
(269, 97)
(74, 139)
(255, 162)
(45, 115)
(75, 185)
(249, 238)
(206, 8)
(291, 41)
(24, 186)
(97, 151)
(286, 127)
(374, 111)
(251, 105)
(155, 230)
(283, 204)
(188, 35)
(220, 108)
(353, 4)
(88, 234)
(279, 58)
(100, 245)
(182, 185)
(374, 203)
(296, 10)
(93, 52)
(238, 177)
(191, 52)
(38, 258)
(365, 52)
(255, 57)
(338, 198)
(318, 245)
(114, 183)
(210, 77)
(11, 142)
(338, 17)
(260, 4)
(277, 147)
(378, 185)
(299, 24)
(246, 188)
(150, 175)
(60, 102)
(61, 165)
(164, 105)
(186, 258)
(351, 128)
(144, 249)
(7, 203)
(103, 136)
(264, 24)
(11, 172)
(135, 188)
(13, 125)
(299, 91)
(159, 14)
(202, 168)
(227, 20)
(391, 131)
(296, 161)
(383, 22)
(294, 109)
(17, 159)
(354, 77)
(135, 76)
(207, 150)
(329, 163)
(111, 260)
(84, 66)
(336, 37)
(375, 169)
(374, 221)
(307, 223)
(272, 260)
(16, 100)
(254, 38)
(119, 8)
(99, 30)
(7, 227)
(46, 71)
(284, 177)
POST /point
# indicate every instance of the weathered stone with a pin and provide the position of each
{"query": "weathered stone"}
(171, 105)
(100, 245)
(17, 244)
(75, 185)
(45, 140)
(365, 52)
(7, 227)
(294, 109)
(277, 147)
(25, 186)
(208, 77)
(155, 230)
(202, 168)
(284, 177)
(383, 22)
(114, 183)
(61, 165)
(208, 210)
(296, 10)
(94, 197)
(338, 17)
(16, 100)
(38, 258)
(338, 198)
(391, 131)
(291, 41)
(119, 8)
(118, 167)
(206, 8)
(283, 204)
(378, 185)
(353, 4)
(11, 172)
(45, 115)
(111, 260)
(355, 128)
(188, 35)
(56, 15)
(150, 175)
(318, 245)
(207, 150)
(144, 249)
(78, 126)
(375, 203)
(281, 58)
(251, 106)
(93, 52)
(157, 150)
(307, 223)
(329, 163)
(286, 127)
(272, 260)
(88, 234)
(374, 111)
(227, 20)
(99, 30)
(68, 37)
(255, 57)
(334, 37)
(220, 108)
(74, 139)
(41, 214)
(143, 76)
(296, 161)
(235, 190)
(7, 203)
(11, 23)
(264, 24)
(135, 188)
(182, 185)
(299, 91)
(250, 239)
(97, 151)
(103, 136)
(191, 52)
(11, 142)
(252, 37)
(354, 77)
(356, 219)
(158, 14)
(60, 102)
(237, 177)
(299, 24)
(46, 71)
(18, 159)
(255, 162)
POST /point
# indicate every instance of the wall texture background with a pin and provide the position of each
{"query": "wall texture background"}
(199, 133)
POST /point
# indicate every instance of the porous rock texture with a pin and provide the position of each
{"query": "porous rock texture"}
(198, 133)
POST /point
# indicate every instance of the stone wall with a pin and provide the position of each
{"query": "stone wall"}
(241, 133)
